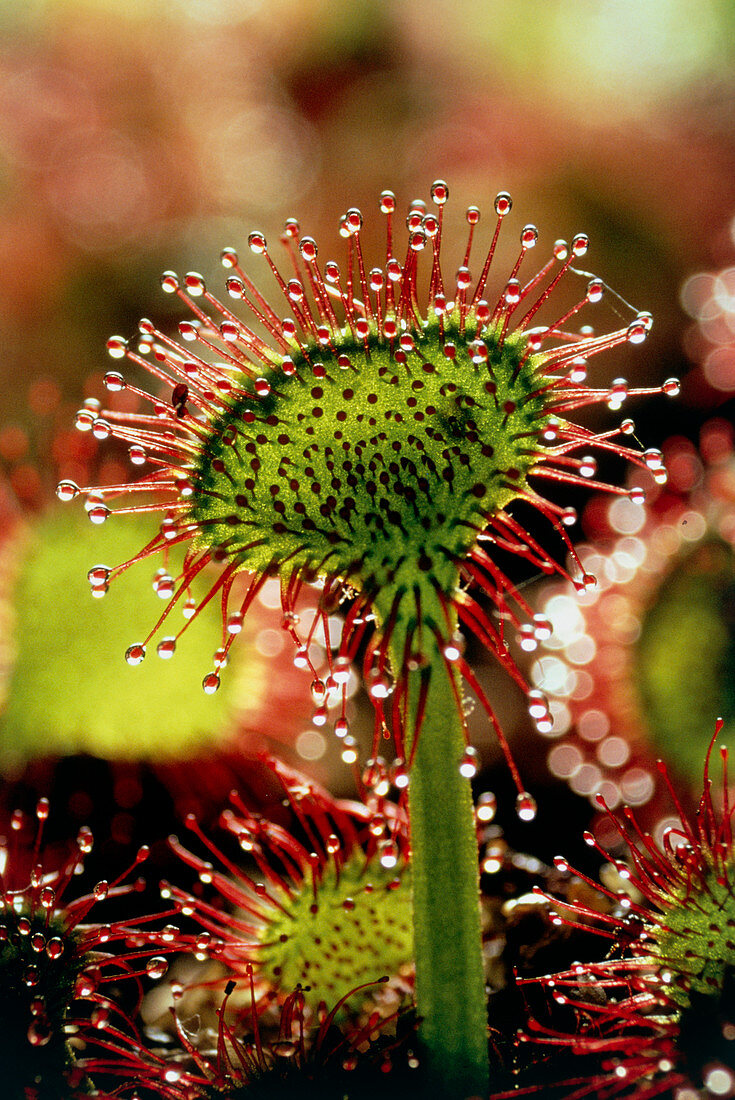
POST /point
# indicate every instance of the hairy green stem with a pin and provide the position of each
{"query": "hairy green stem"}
(450, 985)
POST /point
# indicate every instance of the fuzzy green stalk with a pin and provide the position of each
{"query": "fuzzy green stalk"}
(450, 984)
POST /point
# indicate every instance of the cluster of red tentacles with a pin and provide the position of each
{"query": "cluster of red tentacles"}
(319, 865)
(658, 1014)
(63, 1019)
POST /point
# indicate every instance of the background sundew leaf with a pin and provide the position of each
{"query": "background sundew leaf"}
(360, 929)
(69, 689)
(686, 652)
(694, 939)
(661, 1000)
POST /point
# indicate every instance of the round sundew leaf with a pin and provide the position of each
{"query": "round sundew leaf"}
(69, 689)
(357, 929)
(382, 470)
(685, 656)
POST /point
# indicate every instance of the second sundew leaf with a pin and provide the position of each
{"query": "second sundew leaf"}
(356, 927)
(332, 916)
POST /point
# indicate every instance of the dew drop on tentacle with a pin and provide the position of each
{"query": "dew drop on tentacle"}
(387, 202)
(235, 622)
(55, 947)
(454, 648)
(166, 648)
(163, 584)
(464, 278)
(341, 727)
(399, 774)
(98, 513)
(211, 683)
(318, 691)
(380, 686)
(529, 236)
(469, 763)
(595, 290)
(117, 347)
(320, 716)
(134, 654)
(486, 808)
(39, 1032)
(618, 393)
(579, 370)
(526, 806)
(638, 330)
(235, 288)
(99, 579)
(114, 381)
(67, 490)
(542, 626)
(503, 204)
(389, 853)
(349, 749)
(156, 968)
(439, 192)
(194, 284)
(580, 244)
(512, 294)
(653, 458)
(526, 638)
(169, 282)
(538, 706)
(31, 976)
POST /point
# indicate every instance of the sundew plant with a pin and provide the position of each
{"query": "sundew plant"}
(64, 1025)
(368, 428)
(660, 1020)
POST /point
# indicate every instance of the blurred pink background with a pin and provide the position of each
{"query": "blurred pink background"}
(144, 136)
(148, 136)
